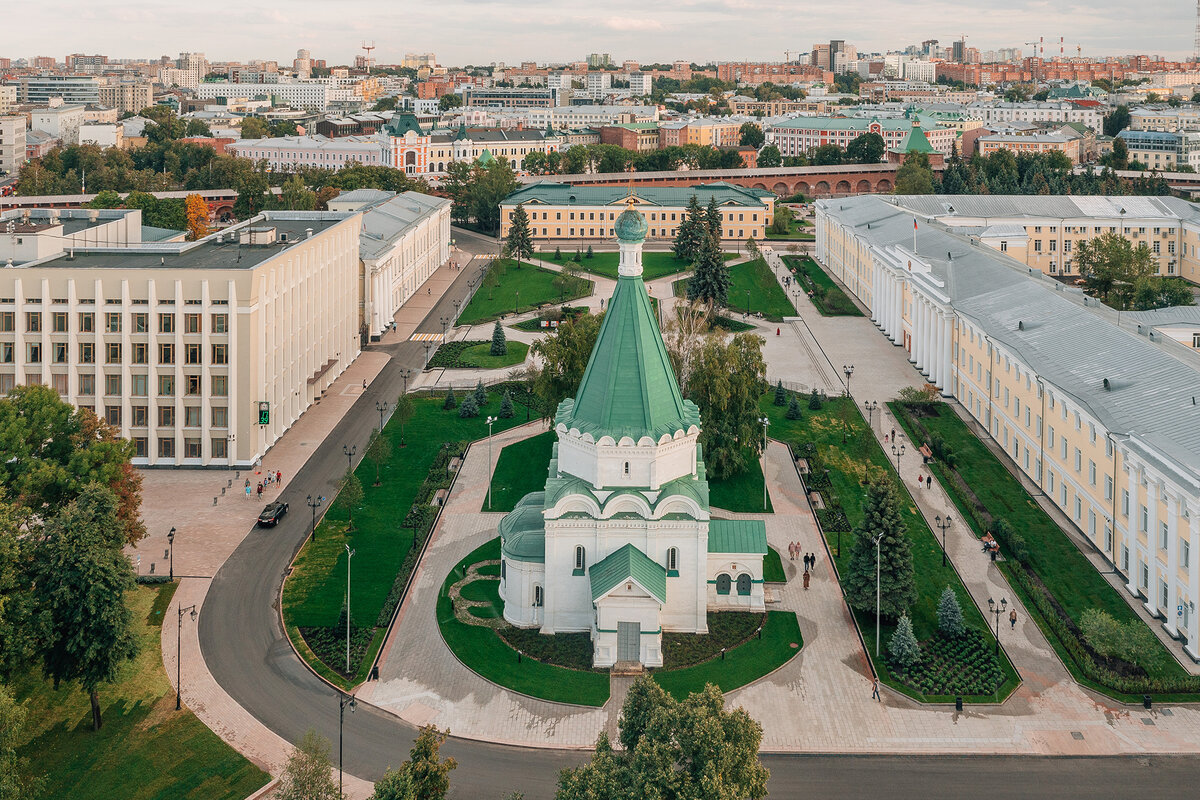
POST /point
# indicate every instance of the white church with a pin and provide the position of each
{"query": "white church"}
(620, 543)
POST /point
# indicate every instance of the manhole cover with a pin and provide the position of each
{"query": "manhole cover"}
(1147, 721)
(1077, 735)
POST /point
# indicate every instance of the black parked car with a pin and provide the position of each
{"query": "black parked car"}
(271, 515)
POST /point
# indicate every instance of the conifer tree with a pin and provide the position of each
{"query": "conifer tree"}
(903, 646)
(949, 613)
(793, 409)
(480, 394)
(780, 394)
(710, 283)
(712, 216)
(499, 341)
(450, 401)
(469, 407)
(814, 401)
(506, 407)
(898, 591)
(520, 240)
(689, 234)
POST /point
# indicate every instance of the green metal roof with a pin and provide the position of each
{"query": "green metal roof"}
(916, 142)
(628, 563)
(737, 536)
(629, 387)
(402, 124)
(485, 157)
(631, 226)
(523, 530)
(565, 194)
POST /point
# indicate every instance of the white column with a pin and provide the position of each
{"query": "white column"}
(1131, 522)
(1193, 569)
(948, 365)
(935, 350)
(1172, 565)
(927, 335)
(1151, 603)
(920, 340)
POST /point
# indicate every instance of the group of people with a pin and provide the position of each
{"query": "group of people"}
(990, 545)
(810, 559)
(269, 479)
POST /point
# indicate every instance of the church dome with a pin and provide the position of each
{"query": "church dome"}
(631, 226)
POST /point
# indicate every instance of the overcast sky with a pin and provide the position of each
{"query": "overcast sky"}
(482, 31)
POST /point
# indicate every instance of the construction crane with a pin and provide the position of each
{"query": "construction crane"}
(787, 56)
(1034, 46)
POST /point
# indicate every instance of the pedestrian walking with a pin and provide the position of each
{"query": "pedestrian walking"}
(875, 690)
(260, 491)
(893, 434)
(807, 562)
(278, 476)
(1012, 620)
(928, 481)
(921, 480)
(806, 580)
(247, 490)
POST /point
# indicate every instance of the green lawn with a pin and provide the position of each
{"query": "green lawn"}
(849, 464)
(750, 661)
(146, 749)
(1062, 568)
(480, 355)
(796, 230)
(521, 468)
(314, 592)
(827, 296)
(508, 289)
(766, 295)
(654, 265)
(773, 567)
(485, 653)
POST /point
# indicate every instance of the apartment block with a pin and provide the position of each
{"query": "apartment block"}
(127, 97)
(1100, 415)
(12, 144)
(802, 135)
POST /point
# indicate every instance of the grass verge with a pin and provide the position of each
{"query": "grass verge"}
(509, 289)
(860, 458)
(773, 571)
(146, 749)
(826, 295)
(521, 468)
(766, 295)
(477, 355)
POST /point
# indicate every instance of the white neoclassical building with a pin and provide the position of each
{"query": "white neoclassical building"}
(620, 543)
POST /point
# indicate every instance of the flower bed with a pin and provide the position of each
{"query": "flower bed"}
(958, 665)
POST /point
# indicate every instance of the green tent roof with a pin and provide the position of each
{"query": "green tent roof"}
(916, 142)
(624, 564)
(523, 530)
(485, 158)
(737, 536)
(629, 387)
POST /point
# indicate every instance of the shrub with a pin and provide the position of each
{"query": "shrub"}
(949, 613)
(558, 254)
(780, 394)
(589, 252)
(903, 647)
(1113, 639)
(793, 408)
(577, 257)
(941, 450)
(814, 401)
(450, 401)
(914, 396)
(1013, 542)
(469, 407)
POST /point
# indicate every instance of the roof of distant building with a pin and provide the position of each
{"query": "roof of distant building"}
(552, 193)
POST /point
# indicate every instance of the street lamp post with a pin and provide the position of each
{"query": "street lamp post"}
(457, 304)
(406, 374)
(878, 592)
(314, 503)
(229, 450)
(349, 451)
(344, 701)
(870, 406)
(516, 301)
(349, 555)
(490, 422)
(747, 303)
(943, 525)
(381, 406)
(427, 346)
(178, 636)
(997, 610)
(849, 370)
(765, 423)
(445, 324)
(171, 547)
(898, 452)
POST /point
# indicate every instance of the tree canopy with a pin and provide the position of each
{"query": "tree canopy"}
(881, 517)
(1111, 266)
(564, 356)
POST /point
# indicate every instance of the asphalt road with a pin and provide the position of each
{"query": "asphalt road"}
(245, 649)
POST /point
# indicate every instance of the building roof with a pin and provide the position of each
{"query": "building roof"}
(916, 142)
(565, 194)
(523, 530)
(388, 219)
(737, 536)
(848, 124)
(628, 563)
(629, 387)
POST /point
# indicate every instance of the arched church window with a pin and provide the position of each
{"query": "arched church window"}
(743, 584)
(580, 559)
(537, 597)
(672, 559)
(503, 570)
(723, 582)
(626, 467)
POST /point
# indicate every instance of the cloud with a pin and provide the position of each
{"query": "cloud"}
(632, 24)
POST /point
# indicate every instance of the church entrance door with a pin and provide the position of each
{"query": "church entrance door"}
(629, 641)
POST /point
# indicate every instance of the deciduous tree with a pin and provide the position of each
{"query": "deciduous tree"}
(751, 135)
(564, 356)
(350, 493)
(197, 216)
(914, 175)
(308, 774)
(725, 384)
(1111, 265)
(378, 451)
(867, 148)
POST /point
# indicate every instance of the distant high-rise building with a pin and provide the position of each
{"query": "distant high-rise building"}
(74, 89)
(12, 143)
(598, 60)
(43, 62)
(418, 60)
(81, 63)
(188, 72)
(127, 96)
(303, 64)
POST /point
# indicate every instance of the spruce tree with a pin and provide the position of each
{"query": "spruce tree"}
(710, 284)
(898, 591)
(506, 407)
(949, 613)
(793, 409)
(520, 240)
(480, 394)
(814, 401)
(558, 254)
(712, 217)
(903, 646)
(781, 395)
(450, 401)
(499, 340)
(688, 234)
(589, 253)
(469, 407)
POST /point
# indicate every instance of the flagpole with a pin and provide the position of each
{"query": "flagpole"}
(914, 236)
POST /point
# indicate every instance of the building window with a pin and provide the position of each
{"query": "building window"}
(58, 352)
(33, 321)
(112, 385)
(191, 353)
(140, 447)
(192, 448)
(87, 353)
(220, 385)
(33, 352)
(58, 322)
(166, 416)
(140, 353)
(87, 384)
(87, 322)
(1162, 537)
(112, 415)
(140, 416)
(580, 560)
(137, 385)
(166, 323)
(220, 354)
(672, 560)
(538, 599)
(1145, 524)
(166, 385)
(743, 584)
(7, 356)
(7, 321)
(191, 416)
(191, 323)
(166, 448)
(220, 417)
(166, 353)
(220, 323)
(112, 322)
(140, 322)
(723, 582)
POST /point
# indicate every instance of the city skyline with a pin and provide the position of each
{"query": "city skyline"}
(695, 30)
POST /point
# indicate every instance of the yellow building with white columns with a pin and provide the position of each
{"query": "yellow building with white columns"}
(1103, 418)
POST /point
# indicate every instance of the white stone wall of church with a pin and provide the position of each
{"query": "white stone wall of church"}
(734, 565)
(604, 466)
(516, 590)
(628, 603)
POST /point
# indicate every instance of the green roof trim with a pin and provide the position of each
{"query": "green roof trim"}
(737, 536)
(625, 564)
(402, 124)
(485, 158)
(629, 387)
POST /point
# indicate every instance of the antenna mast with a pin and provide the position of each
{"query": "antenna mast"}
(370, 45)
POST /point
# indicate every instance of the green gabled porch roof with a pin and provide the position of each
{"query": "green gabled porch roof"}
(629, 387)
(737, 536)
(625, 564)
